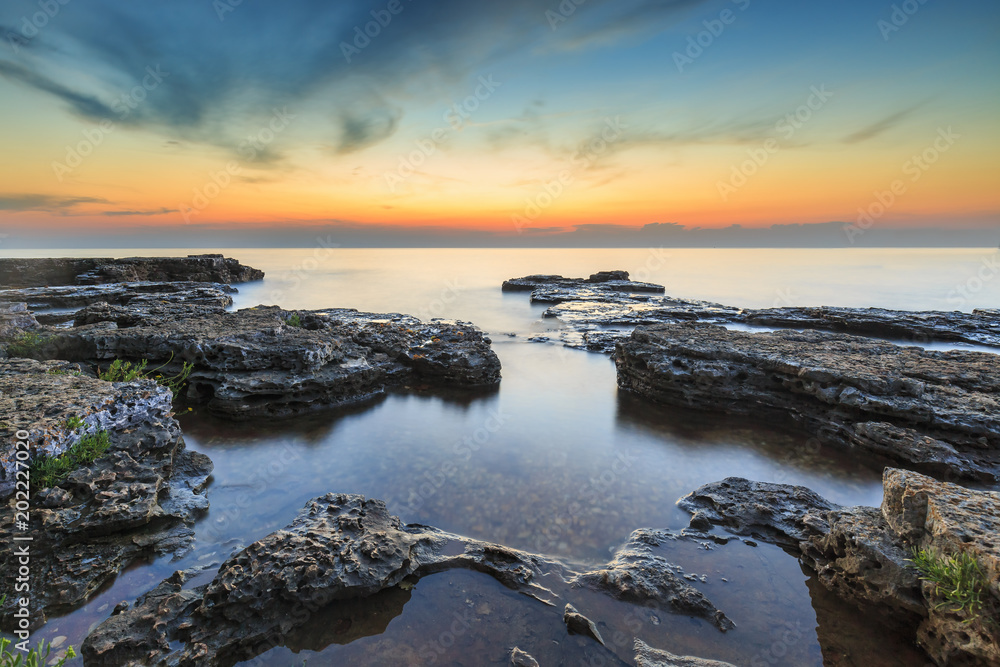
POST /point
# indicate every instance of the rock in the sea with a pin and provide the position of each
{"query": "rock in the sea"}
(864, 554)
(140, 498)
(598, 315)
(578, 624)
(519, 658)
(601, 285)
(266, 361)
(340, 547)
(646, 656)
(639, 574)
(938, 412)
(40, 272)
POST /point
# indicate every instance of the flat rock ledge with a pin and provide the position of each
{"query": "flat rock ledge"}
(863, 554)
(600, 313)
(343, 547)
(937, 412)
(270, 362)
(142, 497)
(42, 272)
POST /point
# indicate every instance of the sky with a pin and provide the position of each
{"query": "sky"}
(500, 122)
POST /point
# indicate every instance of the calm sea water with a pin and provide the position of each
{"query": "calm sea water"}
(507, 465)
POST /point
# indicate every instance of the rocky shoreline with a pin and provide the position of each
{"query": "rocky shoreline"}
(828, 370)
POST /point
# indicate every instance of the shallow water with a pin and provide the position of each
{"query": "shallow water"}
(555, 461)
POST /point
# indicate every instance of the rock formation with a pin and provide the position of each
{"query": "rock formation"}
(340, 547)
(935, 411)
(864, 554)
(139, 498)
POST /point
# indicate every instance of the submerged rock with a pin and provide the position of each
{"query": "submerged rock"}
(40, 272)
(266, 361)
(578, 624)
(935, 411)
(519, 658)
(340, 547)
(646, 656)
(863, 554)
(141, 497)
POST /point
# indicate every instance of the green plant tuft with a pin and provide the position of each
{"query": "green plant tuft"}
(127, 371)
(47, 471)
(74, 423)
(295, 320)
(27, 345)
(958, 580)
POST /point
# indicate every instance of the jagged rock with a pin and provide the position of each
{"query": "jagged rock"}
(598, 316)
(646, 656)
(139, 498)
(519, 658)
(39, 272)
(599, 286)
(255, 362)
(935, 411)
(863, 554)
(578, 624)
(136, 295)
(638, 574)
(339, 547)
(15, 319)
(920, 327)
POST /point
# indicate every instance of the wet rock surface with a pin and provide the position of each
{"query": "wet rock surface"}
(340, 547)
(863, 554)
(598, 315)
(41, 272)
(140, 498)
(266, 361)
(136, 295)
(934, 411)
(646, 656)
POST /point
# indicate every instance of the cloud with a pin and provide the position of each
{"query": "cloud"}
(227, 70)
(42, 202)
(880, 126)
(158, 211)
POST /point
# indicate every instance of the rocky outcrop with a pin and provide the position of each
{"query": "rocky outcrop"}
(934, 411)
(141, 497)
(136, 295)
(599, 286)
(863, 554)
(15, 320)
(40, 272)
(597, 317)
(646, 656)
(639, 574)
(340, 547)
(266, 361)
